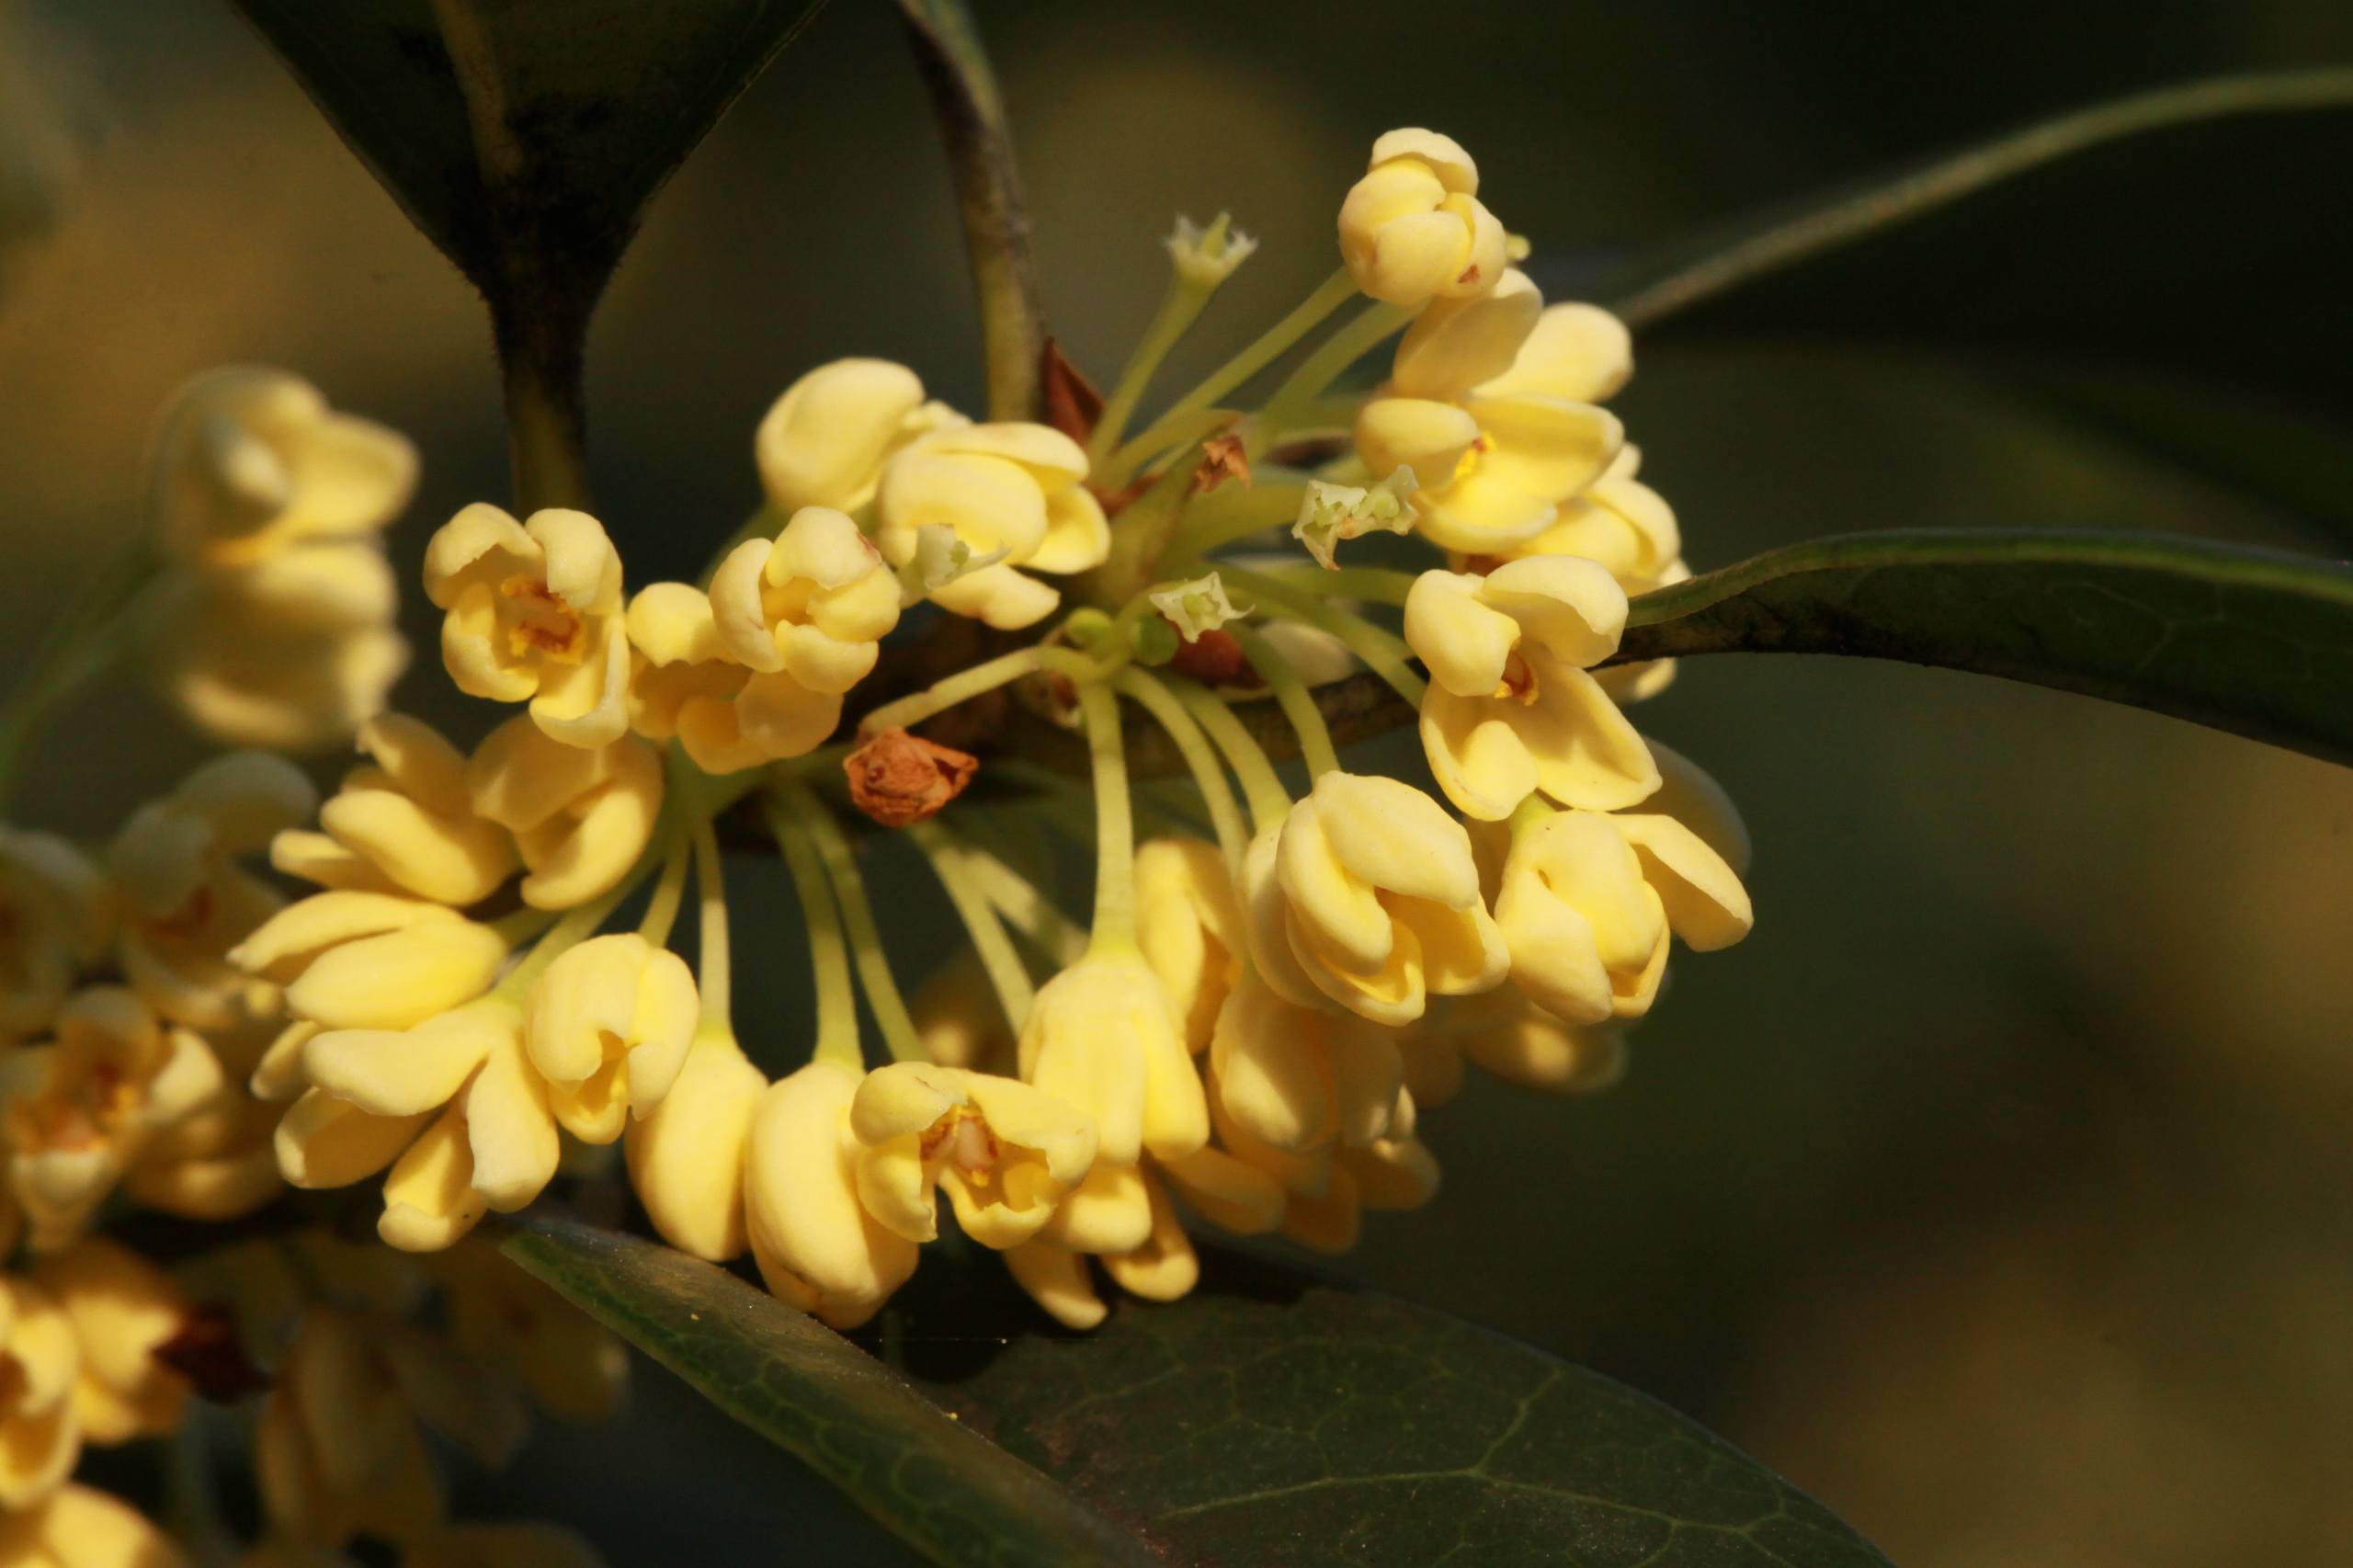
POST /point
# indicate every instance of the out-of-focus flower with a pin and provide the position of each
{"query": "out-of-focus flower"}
(80, 1525)
(817, 1244)
(1413, 228)
(39, 1364)
(80, 1107)
(184, 901)
(122, 1308)
(54, 920)
(1300, 1078)
(276, 626)
(504, 1319)
(1510, 707)
(535, 613)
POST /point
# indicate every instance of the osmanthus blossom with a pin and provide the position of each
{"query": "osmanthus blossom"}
(55, 915)
(1413, 228)
(534, 615)
(1511, 708)
(276, 628)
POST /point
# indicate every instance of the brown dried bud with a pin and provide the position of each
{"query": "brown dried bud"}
(898, 778)
(1214, 658)
(1223, 458)
(1072, 405)
(211, 1355)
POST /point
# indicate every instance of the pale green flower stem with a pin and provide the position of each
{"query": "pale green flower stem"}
(1384, 652)
(986, 677)
(1179, 308)
(662, 910)
(1261, 786)
(866, 949)
(1181, 422)
(1200, 759)
(1008, 976)
(1017, 899)
(1226, 515)
(1114, 929)
(1297, 702)
(1294, 405)
(828, 949)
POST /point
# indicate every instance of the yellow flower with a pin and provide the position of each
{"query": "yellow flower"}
(608, 1026)
(581, 815)
(216, 1163)
(1009, 490)
(824, 442)
(1004, 1152)
(1188, 923)
(1618, 522)
(690, 686)
(1412, 227)
(817, 1244)
(339, 1449)
(1161, 1266)
(122, 1308)
(1325, 1191)
(80, 1527)
(55, 921)
(1510, 708)
(1230, 1193)
(1512, 1037)
(80, 1108)
(39, 1364)
(184, 901)
(404, 825)
(503, 1318)
(1102, 1038)
(493, 1146)
(1588, 900)
(1368, 894)
(372, 961)
(687, 1156)
(277, 627)
(1303, 1079)
(294, 652)
(252, 461)
(812, 603)
(1495, 458)
(534, 612)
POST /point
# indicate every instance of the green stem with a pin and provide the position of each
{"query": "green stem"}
(712, 974)
(1221, 517)
(1379, 583)
(1008, 976)
(1115, 833)
(1261, 786)
(1209, 776)
(866, 949)
(1384, 652)
(1165, 432)
(828, 948)
(1289, 403)
(963, 687)
(1297, 702)
(1179, 308)
(662, 910)
(1017, 899)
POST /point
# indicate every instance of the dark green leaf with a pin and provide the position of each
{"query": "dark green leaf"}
(2254, 641)
(1277, 1422)
(1265, 1419)
(988, 192)
(525, 138)
(950, 1492)
(497, 124)
(1657, 287)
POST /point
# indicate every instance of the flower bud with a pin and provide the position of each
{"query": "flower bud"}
(1413, 228)
(687, 1155)
(817, 1247)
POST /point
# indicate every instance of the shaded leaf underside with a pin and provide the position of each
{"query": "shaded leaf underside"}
(1265, 1419)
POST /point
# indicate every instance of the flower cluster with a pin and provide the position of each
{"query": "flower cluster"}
(435, 988)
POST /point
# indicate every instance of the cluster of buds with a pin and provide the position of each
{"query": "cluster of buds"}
(1271, 991)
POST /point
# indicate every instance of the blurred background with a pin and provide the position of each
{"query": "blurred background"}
(1995, 1190)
